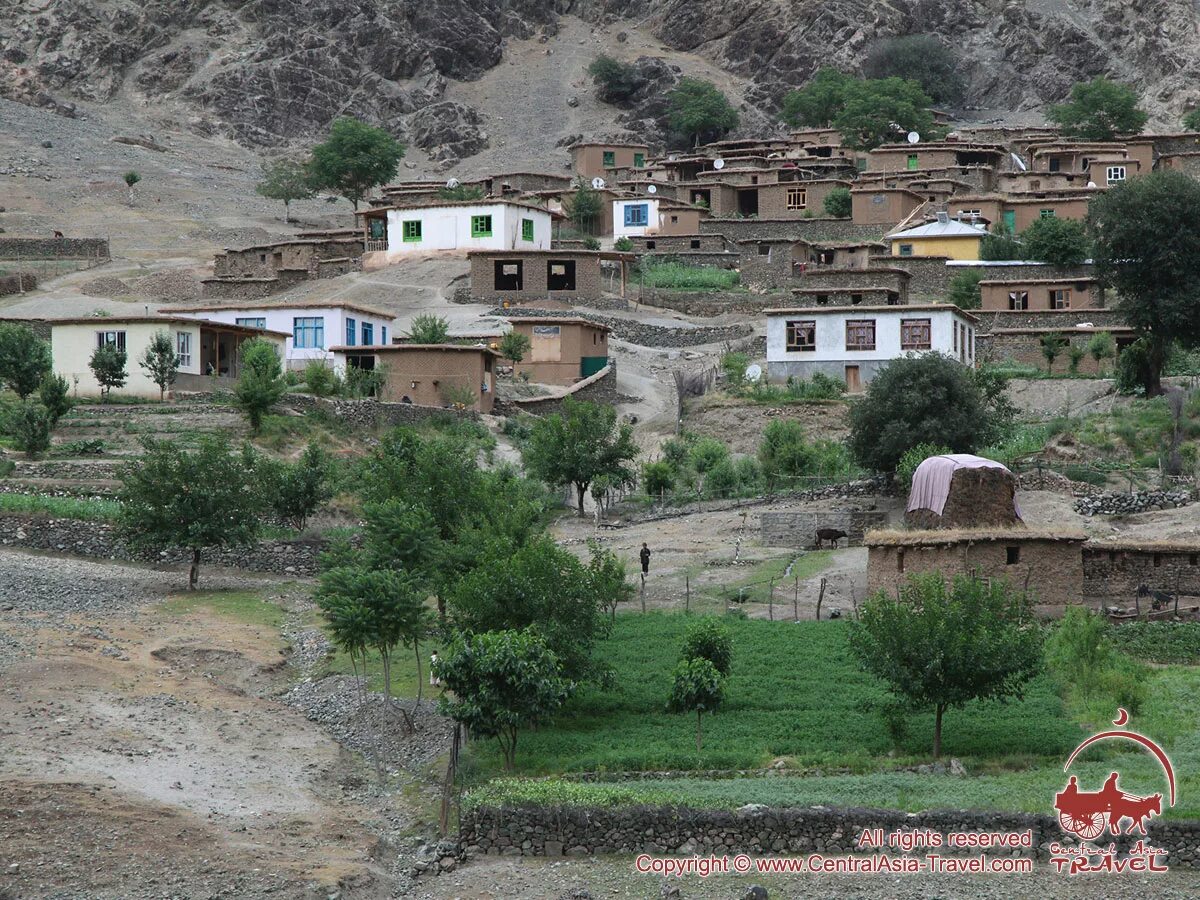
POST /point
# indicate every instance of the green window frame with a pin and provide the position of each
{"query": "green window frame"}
(1047, 214)
(639, 160)
(912, 161)
(412, 230)
(610, 158)
(481, 226)
(527, 230)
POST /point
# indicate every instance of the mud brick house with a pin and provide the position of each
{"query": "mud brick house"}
(594, 160)
(428, 374)
(683, 244)
(568, 275)
(558, 202)
(562, 350)
(943, 237)
(1125, 158)
(888, 281)
(264, 269)
(883, 206)
(452, 227)
(853, 343)
(507, 184)
(1017, 212)
(934, 155)
(1040, 293)
(1113, 570)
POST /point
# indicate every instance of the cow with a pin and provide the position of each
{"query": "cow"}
(1159, 600)
(832, 535)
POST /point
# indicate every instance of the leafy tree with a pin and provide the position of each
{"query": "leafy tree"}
(1101, 347)
(24, 359)
(353, 159)
(585, 207)
(55, 395)
(296, 490)
(1191, 120)
(616, 81)
(1078, 649)
(514, 345)
(698, 108)
(607, 577)
(964, 289)
(838, 203)
(1000, 244)
(108, 368)
(200, 500)
(286, 180)
(818, 103)
(696, 687)
(942, 646)
(657, 477)
(1099, 110)
(706, 453)
(880, 111)
(500, 682)
(575, 446)
(1059, 242)
(160, 362)
(429, 329)
(461, 192)
(1146, 244)
(131, 178)
(1052, 346)
(1075, 355)
(905, 405)
(921, 58)
(261, 383)
(29, 425)
(1133, 370)
(913, 458)
(709, 639)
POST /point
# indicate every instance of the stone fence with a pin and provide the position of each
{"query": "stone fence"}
(1116, 571)
(22, 248)
(738, 230)
(17, 282)
(1125, 504)
(641, 333)
(600, 387)
(798, 528)
(355, 413)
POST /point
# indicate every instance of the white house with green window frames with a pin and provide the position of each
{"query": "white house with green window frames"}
(392, 233)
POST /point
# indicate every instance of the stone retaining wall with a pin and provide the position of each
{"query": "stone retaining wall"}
(1116, 572)
(356, 413)
(931, 276)
(53, 248)
(798, 528)
(715, 303)
(17, 282)
(738, 230)
(641, 333)
(1125, 503)
(1101, 318)
(598, 388)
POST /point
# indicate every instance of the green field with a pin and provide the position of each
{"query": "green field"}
(60, 507)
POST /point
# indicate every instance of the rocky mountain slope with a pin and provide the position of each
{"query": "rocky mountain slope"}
(267, 71)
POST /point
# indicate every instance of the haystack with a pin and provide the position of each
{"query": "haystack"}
(959, 490)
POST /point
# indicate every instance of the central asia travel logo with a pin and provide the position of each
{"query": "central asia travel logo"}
(1087, 814)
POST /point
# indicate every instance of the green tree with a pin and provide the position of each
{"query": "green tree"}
(261, 383)
(353, 159)
(1101, 347)
(709, 639)
(320, 379)
(913, 458)
(294, 491)
(28, 424)
(696, 686)
(1078, 649)
(608, 579)
(1052, 346)
(1146, 244)
(429, 329)
(697, 108)
(131, 178)
(881, 111)
(921, 58)
(24, 359)
(200, 500)
(1075, 355)
(1099, 110)
(499, 683)
(838, 203)
(818, 103)
(657, 477)
(286, 180)
(1133, 370)
(784, 453)
(514, 345)
(938, 646)
(616, 81)
(575, 446)
(160, 362)
(964, 289)
(55, 395)
(584, 207)
(1000, 244)
(905, 405)
(1191, 120)
(1059, 242)
(461, 192)
(108, 368)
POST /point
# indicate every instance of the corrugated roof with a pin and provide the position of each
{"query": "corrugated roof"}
(950, 229)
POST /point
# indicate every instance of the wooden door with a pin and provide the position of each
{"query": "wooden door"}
(853, 384)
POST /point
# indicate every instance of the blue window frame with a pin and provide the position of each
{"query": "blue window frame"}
(637, 214)
(368, 334)
(383, 334)
(350, 323)
(308, 333)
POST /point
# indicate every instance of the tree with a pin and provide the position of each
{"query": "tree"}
(584, 207)
(1191, 120)
(911, 460)
(1099, 110)
(1146, 244)
(1000, 244)
(709, 639)
(261, 383)
(55, 395)
(108, 368)
(1075, 354)
(578, 444)
(296, 490)
(429, 329)
(696, 687)
(500, 682)
(1052, 346)
(514, 345)
(942, 646)
(698, 108)
(881, 111)
(784, 453)
(353, 159)
(921, 58)
(838, 203)
(200, 500)
(29, 425)
(818, 103)
(24, 359)
(964, 289)
(160, 362)
(1101, 347)
(1059, 242)
(607, 577)
(461, 192)
(616, 81)
(131, 178)
(905, 405)
(286, 180)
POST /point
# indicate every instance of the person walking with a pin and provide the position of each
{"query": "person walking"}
(645, 557)
(433, 678)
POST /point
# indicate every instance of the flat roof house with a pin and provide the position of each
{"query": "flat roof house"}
(313, 326)
(562, 350)
(568, 275)
(883, 205)
(943, 237)
(1022, 294)
(437, 375)
(595, 160)
(855, 342)
(206, 349)
(633, 217)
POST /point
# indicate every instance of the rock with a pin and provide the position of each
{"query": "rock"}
(835, 612)
(447, 130)
(756, 892)
(140, 141)
(669, 890)
(573, 102)
(622, 37)
(47, 144)
(957, 768)
(447, 864)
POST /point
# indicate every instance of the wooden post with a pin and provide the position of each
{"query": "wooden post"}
(820, 599)
(771, 600)
(1177, 593)
(643, 592)
(687, 593)
(796, 600)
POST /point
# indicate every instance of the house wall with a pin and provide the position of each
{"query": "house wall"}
(589, 160)
(534, 275)
(816, 229)
(680, 243)
(448, 228)
(1026, 212)
(620, 229)
(1084, 294)
(282, 318)
(424, 367)
(882, 207)
(575, 342)
(887, 278)
(1116, 574)
(931, 276)
(772, 198)
(948, 247)
(1025, 347)
(823, 297)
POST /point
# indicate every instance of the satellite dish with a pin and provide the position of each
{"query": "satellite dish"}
(452, 183)
(753, 372)
(913, 137)
(597, 182)
(651, 189)
(1091, 184)
(718, 164)
(1084, 325)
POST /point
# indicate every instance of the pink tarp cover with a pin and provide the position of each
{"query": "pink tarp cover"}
(931, 480)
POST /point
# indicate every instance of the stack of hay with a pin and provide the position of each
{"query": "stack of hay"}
(959, 490)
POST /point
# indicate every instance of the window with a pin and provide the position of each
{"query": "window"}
(368, 334)
(802, 335)
(694, 244)
(1060, 299)
(308, 333)
(412, 231)
(351, 332)
(383, 334)
(251, 321)
(527, 230)
(914, 334)
(764, 249)
(637, 215)
(509, 274)
(262, 257)
(183, 348)
(610, 158)
(1054, 164)
(1047, 214)
(822, 299)
(674, 220)
(1018, 299)
(912, 161)
(856, 299)
(1012, 556)
(481, 226)
(1192, 559)
(560, 275)
(899, 560)
(969, 213)
(906, 250)
(1116, 173)
(650, 245)
(639, 160)
(116, 338)
(1157, 560)
(754, 179)
(797, 198)
(860, 334)
(954, 329)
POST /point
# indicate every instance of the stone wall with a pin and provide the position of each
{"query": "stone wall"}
(931, 276)
(1025, 347)
(716, 259)
(599, 388)
(1115, 572)
(798, 528)
(640, 333)
(887, 277)
(990, 320)
(355, 413)
(231, 288)
(738, 230)
(1125, 503)
(680, 243)
(16, 283)
(53, 248)
(712, 303)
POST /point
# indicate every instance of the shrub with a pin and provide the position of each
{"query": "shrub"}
(722, 480)
(999, 244)
(1059, 242)
(709, 639)
(734, 366)
(321, 380)
(964, 290)
(616, 81)
(294, 491)
(838, 203)
(921, 58)
(590, 243)
(913, 458)
(657, 478)
(365, 382)
(29, 426)
(1191, 120)
(676, 450)
(749, 473)
(623, 244)
(707, 453)
(260, 384)
(429, 329)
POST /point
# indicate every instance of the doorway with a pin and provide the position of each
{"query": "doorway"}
(748, 203)
(853, 382)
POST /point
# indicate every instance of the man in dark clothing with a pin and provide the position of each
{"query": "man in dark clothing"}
(645, 556)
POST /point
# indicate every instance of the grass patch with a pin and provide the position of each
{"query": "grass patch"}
(60, 507)
(242, 606)
(669, 275)
(1159, 642)
(756, 583)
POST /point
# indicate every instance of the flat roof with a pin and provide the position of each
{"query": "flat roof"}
(915, 307)
(444, 204)
(609, 144)
(939, 145)
(898, 538)
(562, 251)
(1037, 281)
(162, 320)
(298, 304)
(1062, 329)
(397, 348)
(558, 320)
(1152, 545)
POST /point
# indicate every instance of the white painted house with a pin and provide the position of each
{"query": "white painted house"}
(314, 326)
(635, 217)
(394, 232)
(855, 342)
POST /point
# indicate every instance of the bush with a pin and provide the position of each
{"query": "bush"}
(913, 458)
(623, 244)
(964, 290)
(29, 426)
(294, 491)
(365, 382)
(670, 275)
(1133, 368)
(617, 81)
(709, 639)
(1191, 120)
(1059, 242)
(734, 366)
(590, 243)
(429, 329)
(722, 480)
(838, 203)
(657, 478)
(706, 453)
(321, 380)
(921, 58)
(999, 244)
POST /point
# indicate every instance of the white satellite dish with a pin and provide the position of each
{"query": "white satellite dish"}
(1091, 184)
(753, 372)
(597, 182)
(1018, 162)
(1084, 325)
(913, 137)
(452, 183)
(651, 189)
(718, 164)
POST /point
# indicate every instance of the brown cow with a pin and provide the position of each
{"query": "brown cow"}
(832, 535)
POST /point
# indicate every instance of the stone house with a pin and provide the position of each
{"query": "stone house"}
(1041, 293)
(1017, 212)
(567, 275)
(563, 350)
(597, 160)
(1095, 159)
(934, 155)
(943, 237)
(264, 269)
(1114, 569)
(892, 281)
(437, 375)
(452, 227)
